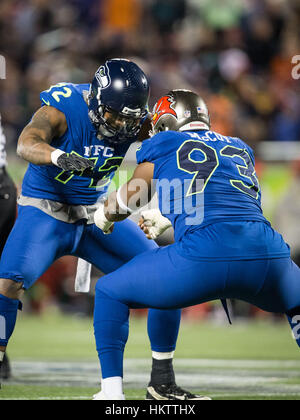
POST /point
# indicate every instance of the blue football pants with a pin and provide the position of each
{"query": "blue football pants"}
(37, 240)
(163, 278)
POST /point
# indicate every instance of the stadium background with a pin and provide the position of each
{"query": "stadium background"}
(236, 53)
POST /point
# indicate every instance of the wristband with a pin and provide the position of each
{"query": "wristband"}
(55, 155)
(121, 203)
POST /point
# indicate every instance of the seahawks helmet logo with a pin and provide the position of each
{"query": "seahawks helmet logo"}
(103, 78)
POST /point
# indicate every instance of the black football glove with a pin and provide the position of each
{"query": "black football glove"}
(69, 162)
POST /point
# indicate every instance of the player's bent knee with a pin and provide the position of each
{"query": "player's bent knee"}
(99, 288)
(11, 288)
(103, 288)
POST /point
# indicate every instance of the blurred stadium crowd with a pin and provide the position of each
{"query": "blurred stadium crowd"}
(236, 53)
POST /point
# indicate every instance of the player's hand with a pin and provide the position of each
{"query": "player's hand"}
(101, 221)
(69, 162)
(153, 223)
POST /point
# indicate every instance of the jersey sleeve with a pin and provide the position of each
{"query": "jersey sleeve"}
(66, 99)
(156, 147)
(143, 152)
(61, 97)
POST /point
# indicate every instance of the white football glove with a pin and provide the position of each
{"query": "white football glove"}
(153, 223)
(101, 221)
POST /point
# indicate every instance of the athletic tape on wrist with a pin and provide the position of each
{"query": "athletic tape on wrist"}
(121, 203)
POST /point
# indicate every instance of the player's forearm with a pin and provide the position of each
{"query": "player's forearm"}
(128, 199)
(112, 210)
(34, 142)
(33, 148)
(109, 213)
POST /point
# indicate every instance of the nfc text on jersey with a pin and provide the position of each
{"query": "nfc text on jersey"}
(96, 149)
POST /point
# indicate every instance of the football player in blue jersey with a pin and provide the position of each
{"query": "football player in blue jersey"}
(74, 144)
(224, 247)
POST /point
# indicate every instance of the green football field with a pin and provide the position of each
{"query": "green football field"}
(54, 358)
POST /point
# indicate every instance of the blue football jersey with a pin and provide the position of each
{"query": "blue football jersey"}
(203, 178)
(51, 182)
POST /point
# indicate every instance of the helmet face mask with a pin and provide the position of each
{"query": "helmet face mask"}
(180, 110)
(118, 100)
(115, 126)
